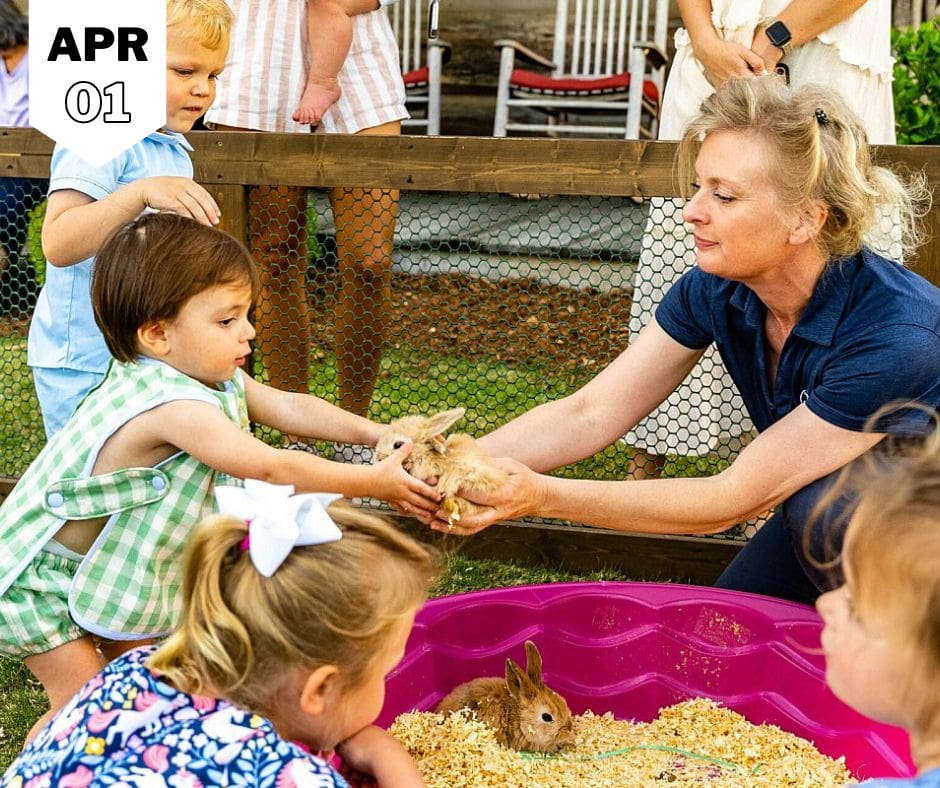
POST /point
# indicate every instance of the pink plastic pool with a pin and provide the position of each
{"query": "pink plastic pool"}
(632, 648)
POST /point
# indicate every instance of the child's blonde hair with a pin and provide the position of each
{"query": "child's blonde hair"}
(327, 604)
(892, 548)
(209, 21)
(820, 151)
(892, 543)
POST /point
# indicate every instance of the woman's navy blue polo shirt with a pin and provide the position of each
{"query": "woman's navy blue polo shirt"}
(870, 335)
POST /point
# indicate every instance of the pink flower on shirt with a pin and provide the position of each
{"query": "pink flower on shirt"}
(155, 757)
(80, 778)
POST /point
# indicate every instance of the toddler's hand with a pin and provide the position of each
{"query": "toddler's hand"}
(181, 196)
(374, 757)
(402, 490)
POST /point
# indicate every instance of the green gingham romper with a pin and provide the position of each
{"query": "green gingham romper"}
(127, 586)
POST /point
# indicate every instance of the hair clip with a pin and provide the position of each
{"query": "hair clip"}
(821, 117)
(279, 520)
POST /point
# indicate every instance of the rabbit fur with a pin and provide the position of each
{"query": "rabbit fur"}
(524, 713)
(456, 461)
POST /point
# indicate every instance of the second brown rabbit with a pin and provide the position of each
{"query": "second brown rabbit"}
(524, 713)
(456, 461)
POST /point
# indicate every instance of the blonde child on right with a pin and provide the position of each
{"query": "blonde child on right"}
(280, 659)
(92, 534)
(882, 627)
(329, 36)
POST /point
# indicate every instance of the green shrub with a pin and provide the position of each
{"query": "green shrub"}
(917, 84)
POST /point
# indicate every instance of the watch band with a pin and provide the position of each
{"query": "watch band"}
(779, 35)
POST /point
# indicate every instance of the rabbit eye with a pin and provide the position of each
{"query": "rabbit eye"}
(546, 717)
(398, 444)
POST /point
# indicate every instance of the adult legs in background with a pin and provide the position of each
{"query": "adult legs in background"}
(365, 229)
(277, 238)
(278, 242)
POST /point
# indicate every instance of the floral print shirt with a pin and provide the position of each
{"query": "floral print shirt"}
(128, 728)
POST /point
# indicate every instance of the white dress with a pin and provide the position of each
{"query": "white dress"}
(706, 413)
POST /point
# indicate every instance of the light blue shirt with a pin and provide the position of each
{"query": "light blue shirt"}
(63, 333)
(929, 779)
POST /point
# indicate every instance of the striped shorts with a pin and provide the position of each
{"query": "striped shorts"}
(266, 70)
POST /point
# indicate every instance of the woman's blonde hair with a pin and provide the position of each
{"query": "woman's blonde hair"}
(328, 604)
(209, 21)
(821, 154)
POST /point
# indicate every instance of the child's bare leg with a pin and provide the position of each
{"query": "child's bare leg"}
(112, 649)
(63, 671)
(329, 34)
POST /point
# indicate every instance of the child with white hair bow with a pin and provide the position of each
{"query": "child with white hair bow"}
(296, 607)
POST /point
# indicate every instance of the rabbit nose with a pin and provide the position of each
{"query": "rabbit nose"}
(398, 444)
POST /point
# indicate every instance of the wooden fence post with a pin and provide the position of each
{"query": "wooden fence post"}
(233, 202)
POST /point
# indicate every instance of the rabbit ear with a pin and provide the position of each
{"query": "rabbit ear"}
(516, 680)
(533, 663)
(441, 421)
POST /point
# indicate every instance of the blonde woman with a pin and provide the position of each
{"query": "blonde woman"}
(844, 45)
(818, 332)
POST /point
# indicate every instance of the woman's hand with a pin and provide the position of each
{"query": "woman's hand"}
(402, 490)
(769, 53)
(723, 60)
(523, 493)
(373, 757)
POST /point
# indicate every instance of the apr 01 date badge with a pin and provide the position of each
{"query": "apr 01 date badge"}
(97, 73)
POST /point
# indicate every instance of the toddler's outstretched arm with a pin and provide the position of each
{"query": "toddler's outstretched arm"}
(204, 432)
(329, 35)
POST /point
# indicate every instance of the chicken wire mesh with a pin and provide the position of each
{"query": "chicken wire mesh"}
(393, 304)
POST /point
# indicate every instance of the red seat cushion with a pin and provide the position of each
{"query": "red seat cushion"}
(578, 86)
(417, 78)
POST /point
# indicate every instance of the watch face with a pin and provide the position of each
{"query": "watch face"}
(778, 33)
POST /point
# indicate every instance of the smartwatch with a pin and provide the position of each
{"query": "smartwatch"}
(779, 35)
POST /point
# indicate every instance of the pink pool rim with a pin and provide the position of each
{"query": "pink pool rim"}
(633, 648)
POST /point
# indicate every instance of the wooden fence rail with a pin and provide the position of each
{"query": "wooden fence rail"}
(228, 163)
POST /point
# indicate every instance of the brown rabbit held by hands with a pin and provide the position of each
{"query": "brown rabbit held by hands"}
(524, 713)
(456, 461)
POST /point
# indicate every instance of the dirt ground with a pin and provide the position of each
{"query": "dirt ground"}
(512, 321)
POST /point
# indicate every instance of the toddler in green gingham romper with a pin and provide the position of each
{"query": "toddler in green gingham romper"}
(127, 586)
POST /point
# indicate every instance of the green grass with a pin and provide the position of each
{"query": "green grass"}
(22, 700)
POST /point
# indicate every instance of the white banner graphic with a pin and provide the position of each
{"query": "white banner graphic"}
(97, 73)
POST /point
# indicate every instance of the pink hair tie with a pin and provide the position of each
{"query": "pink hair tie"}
(245, 544)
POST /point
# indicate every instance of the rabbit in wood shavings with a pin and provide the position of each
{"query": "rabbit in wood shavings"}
(523, 713)
(457, 461)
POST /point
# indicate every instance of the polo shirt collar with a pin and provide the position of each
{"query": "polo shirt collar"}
(821, 317)
(170, 138)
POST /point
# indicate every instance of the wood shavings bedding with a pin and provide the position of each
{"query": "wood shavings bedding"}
(696, 742)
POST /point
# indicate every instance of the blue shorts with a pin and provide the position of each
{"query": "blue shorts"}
(60, 391)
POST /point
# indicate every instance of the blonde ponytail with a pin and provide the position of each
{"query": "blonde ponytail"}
(334, 603)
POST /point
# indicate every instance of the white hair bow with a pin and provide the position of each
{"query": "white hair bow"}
(278, 520)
